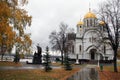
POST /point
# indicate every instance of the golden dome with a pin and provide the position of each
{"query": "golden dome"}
(101, 22)
(90, 15)
(80, 23)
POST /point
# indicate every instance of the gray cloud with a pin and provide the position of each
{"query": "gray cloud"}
(47, 15)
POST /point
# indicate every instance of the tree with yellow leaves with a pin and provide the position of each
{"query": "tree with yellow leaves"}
(27, 44)
(13, 20)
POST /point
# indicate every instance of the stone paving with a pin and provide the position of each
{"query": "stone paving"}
(87, 73)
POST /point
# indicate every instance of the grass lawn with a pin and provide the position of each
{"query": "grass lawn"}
(57, 64)
(8, 63)
(36, 74)
(109, 74)
(55, 74)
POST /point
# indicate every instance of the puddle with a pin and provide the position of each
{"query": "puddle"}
(85, 74)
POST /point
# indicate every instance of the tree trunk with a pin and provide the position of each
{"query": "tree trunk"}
(2, 57)
(115, 60)
(62, 57)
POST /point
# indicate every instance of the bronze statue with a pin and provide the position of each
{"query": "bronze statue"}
(37, 58)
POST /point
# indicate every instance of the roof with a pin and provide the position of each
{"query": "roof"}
(90, 15)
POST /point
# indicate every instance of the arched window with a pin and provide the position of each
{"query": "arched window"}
(90, 22)
(80, 48)
(72, 49)
(87, 23)
(104, 49)
(80, 26)
(90, 39)
(94, 22)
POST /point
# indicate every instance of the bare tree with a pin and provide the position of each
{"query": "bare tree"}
(110, 13)
(58, 39)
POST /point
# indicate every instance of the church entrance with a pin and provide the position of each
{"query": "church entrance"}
(92, 54)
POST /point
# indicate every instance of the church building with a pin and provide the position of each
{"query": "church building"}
(91, 41)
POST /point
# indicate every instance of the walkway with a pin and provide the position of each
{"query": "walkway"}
(87, 73)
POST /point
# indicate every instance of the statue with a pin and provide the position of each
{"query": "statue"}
(37, 58)
(39, 49)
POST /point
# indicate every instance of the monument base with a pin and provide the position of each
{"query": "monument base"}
(77, 61)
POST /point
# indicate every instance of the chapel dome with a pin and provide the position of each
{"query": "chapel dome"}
(90, 15)
(101, 22)
(80, 23)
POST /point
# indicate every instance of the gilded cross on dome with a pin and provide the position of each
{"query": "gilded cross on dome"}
(90, 14)
(89, 7)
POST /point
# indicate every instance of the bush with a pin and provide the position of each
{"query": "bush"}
(67, 63)
(47, 61)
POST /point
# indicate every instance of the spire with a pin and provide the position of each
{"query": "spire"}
(89, 7)
(80, 18)
(80, 22)
(90, 14)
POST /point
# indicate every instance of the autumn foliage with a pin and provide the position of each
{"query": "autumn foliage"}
(13, 21)
(108, 74)
(8, 63)
(37, 74)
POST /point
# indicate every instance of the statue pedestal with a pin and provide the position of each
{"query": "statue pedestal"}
(77, 61)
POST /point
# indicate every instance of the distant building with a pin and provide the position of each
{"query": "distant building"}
(91, 40)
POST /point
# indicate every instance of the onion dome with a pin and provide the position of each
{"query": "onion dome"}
(101, 22)
(90, 15)
(80, 23)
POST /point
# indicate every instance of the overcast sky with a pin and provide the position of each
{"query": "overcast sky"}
(48, 14)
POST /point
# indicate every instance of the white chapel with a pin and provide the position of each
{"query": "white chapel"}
(91, 41)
